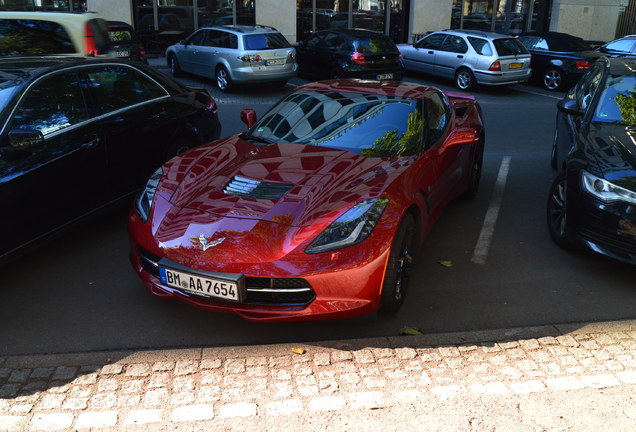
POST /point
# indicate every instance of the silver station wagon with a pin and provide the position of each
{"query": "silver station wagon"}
(469, 58)
(235, 55)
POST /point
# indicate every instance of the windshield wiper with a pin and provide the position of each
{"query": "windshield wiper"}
(250, 137)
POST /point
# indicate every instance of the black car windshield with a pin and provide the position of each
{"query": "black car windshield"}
(617, 102)
(265, 41)
(369, 125)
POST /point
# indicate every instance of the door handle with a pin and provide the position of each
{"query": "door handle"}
(431, 52)
(460, 56)
(91, 143)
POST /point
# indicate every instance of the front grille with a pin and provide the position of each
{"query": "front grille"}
(261, 291)
(597, 229)
(247, 188)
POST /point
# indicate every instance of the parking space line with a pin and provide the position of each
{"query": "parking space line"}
(488, 228)
(557, 97)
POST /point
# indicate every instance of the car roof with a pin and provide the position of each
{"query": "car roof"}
(390, 88)
(357, 33)
(245, 29)
(479, 33)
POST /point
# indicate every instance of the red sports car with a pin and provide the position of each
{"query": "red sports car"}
(317, 210)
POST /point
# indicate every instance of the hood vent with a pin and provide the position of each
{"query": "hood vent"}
(247, 188)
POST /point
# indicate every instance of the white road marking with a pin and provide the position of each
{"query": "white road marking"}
(523, 90)
(488, 228)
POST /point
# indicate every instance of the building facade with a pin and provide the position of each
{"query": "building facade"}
(162, 22)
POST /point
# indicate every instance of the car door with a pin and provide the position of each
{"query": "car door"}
(423, 57)
(136, 120)
(307, 54)
(189, 52)
(52, 161)
(450, 55)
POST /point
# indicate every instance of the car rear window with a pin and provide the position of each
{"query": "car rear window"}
(19, 37)
(509, 46)
(265, 41)
(119, 35)
(369, 46)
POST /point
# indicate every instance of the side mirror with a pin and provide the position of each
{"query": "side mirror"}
(461, 137)
(301, 43)
(25, 138)
(570, 106)
(248, 116)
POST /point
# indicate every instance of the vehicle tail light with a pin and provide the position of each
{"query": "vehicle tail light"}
(495, 66)
(142, 51)
(250, 59)
(583, 64)
(358, 58)
(211, 106)
(291, 56)
(91, 46)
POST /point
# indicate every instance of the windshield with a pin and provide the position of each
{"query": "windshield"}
(617, 102)
(369, 125)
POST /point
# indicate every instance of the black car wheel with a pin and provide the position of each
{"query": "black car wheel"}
(174, 66)
(557, 211)
(464, 79)
(223, 80)
(553, 155)
(475, 172)
(553, 79)
(398, 268)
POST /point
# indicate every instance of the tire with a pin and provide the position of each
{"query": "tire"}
(223, 80)
(557, 211)
(336, 73)
(174, 66)
(398, 268)
(464, 79)
(475, 172)
(180, 146)
(553, 79)
(553, 154)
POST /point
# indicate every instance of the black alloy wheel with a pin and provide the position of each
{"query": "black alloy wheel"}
(398, 271)
(557, 211)
(475, 171)
(553, 79)
(174, 66)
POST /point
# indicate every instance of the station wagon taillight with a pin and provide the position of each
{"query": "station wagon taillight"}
(249, 59)
(358, 58)
(91, 46)
(495, 67)
(583, 64)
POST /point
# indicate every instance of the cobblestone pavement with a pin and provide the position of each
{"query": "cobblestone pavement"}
(220, 388)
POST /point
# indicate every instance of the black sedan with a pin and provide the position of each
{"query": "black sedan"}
(558, 59)
(592, 201)
(349, 53)
(79, 133)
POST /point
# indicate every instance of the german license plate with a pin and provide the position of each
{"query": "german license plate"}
(516, 65)
(122, 53)
(200, 285)
(385, 76)
(274, 62)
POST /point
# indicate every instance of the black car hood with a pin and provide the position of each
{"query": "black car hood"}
(612, 149)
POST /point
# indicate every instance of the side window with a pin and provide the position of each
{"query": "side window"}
(589, 84)
(454, 44)
(52, 104)
(481, 46)
(315, 42)
(214, 38)
(433, 41)
(118, 87)
(436, 116)
(229, 40)
(625, 45)
(334, 40)
(197, 38)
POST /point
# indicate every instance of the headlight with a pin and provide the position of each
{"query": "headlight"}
(604, 190)
(147, 195)
(352, 227)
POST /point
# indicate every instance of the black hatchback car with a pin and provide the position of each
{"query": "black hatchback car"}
(592, 201)
(349, 53)
(126, 43)
(79, 133)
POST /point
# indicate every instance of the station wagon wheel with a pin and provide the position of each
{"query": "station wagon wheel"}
(553, 79)
(464, 79)
(223, 80)
(557, 211)
(174, 66)
(398, 267)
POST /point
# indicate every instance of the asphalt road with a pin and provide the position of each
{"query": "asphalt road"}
(77, 292)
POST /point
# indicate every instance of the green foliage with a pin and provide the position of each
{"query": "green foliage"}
(627, 104)
(391, 144)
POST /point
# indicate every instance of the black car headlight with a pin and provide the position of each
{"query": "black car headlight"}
(147, 195)
(351, 228)
(604, 190)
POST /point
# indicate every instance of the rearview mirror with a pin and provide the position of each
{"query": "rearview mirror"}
(461, 137)
(570, 106)
(25, 138)
(248, 116)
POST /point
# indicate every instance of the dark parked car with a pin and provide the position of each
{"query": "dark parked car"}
(126, 43)
(592, 200)
(79, 133)
(349, 53)
(623, 47)
(558, 59)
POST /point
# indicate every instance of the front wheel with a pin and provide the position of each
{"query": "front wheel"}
(464, 79)
(398, 269)
(223, 80)
(174, 66)
(557, 211)
(553, 79)
(475, 172)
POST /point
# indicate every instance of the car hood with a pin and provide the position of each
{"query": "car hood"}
(288, 184)
(614, 149)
